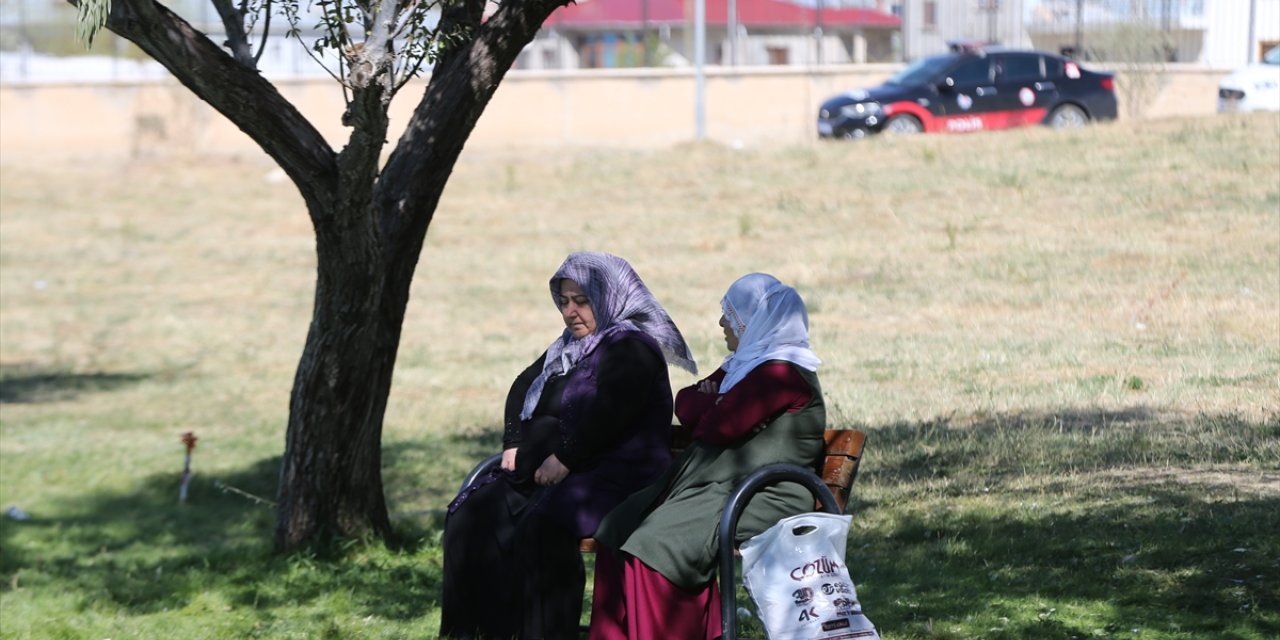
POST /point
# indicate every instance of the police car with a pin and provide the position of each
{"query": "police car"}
(974, 88)
(1253, 88)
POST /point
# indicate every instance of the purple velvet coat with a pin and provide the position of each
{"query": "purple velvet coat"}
(639, 448)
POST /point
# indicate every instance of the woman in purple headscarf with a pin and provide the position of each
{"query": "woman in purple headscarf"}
(586, 424)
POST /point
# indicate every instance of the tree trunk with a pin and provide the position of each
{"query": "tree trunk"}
(331, 477)
(369, 227)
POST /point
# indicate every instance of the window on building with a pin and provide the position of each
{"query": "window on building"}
(589, 52)
(1264, 46)
(778, 55)
(929, 20)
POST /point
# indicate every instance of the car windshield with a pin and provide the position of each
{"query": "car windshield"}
(1272, 56)
(921, 71)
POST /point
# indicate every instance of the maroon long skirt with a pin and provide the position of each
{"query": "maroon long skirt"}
(634, 602)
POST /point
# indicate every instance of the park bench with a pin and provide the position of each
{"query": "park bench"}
(829, 480)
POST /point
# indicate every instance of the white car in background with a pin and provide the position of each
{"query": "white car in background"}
(1253, 88)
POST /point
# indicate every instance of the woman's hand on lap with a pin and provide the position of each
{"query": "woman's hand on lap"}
(551, 471)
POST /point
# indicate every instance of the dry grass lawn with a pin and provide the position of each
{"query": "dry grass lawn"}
(1072, 281)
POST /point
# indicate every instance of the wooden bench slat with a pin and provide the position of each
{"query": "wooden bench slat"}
(840, 467)
(838, 470)
(847, 441)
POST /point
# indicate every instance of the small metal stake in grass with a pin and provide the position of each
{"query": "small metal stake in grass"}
(189, 439)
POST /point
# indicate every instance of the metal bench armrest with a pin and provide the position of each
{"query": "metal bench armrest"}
(761, 478)
(481, 469)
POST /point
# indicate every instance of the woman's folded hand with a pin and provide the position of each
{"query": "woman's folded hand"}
(551, 471)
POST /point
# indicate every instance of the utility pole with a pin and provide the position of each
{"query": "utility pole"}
(904, 28)
(993, 13)
(1249, 57)
(817, 31)
(699, 74)
(733, 33)
(644, 33)
(1079, 30)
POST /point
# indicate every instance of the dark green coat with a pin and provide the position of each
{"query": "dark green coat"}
(678, 536)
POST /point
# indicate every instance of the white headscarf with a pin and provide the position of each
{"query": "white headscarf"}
(621, 302)
(771, 323)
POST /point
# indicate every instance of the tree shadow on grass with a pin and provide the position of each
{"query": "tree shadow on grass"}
(1166, 556)
(1008, 445)
(1175, 563)
(138, 551)
(30, 384)
(1071, 525)
(420, 477)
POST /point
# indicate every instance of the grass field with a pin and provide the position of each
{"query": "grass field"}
(1065, 348)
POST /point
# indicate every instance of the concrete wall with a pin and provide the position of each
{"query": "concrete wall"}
(618, 109)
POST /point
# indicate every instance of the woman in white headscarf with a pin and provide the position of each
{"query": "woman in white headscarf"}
(588, 423)
(655, 557)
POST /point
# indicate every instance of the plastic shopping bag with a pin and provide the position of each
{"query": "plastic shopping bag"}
(796, 574)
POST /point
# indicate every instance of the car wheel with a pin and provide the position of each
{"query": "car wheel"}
(903, 123)
(1068, 116)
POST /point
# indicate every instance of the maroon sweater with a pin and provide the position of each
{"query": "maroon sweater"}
(770, 390)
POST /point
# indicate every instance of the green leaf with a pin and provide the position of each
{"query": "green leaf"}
(91, 18)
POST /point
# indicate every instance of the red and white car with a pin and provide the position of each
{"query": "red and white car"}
(974, 89)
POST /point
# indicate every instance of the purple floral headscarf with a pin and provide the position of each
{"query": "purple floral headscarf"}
(620, 302)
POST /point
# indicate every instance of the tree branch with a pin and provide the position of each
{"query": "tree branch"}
(358, 163)
(233, 23)
(373, 59)
(242, 95)
(266, 32)
(461, 85)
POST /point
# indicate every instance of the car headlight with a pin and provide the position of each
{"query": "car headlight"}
(860, 109)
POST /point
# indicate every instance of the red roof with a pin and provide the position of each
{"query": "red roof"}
(751, 13)
(614, 13)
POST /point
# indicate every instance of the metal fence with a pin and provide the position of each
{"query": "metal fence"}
(37, 38)
(1219, 33)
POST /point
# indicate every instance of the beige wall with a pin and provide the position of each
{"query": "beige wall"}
(631, 109)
